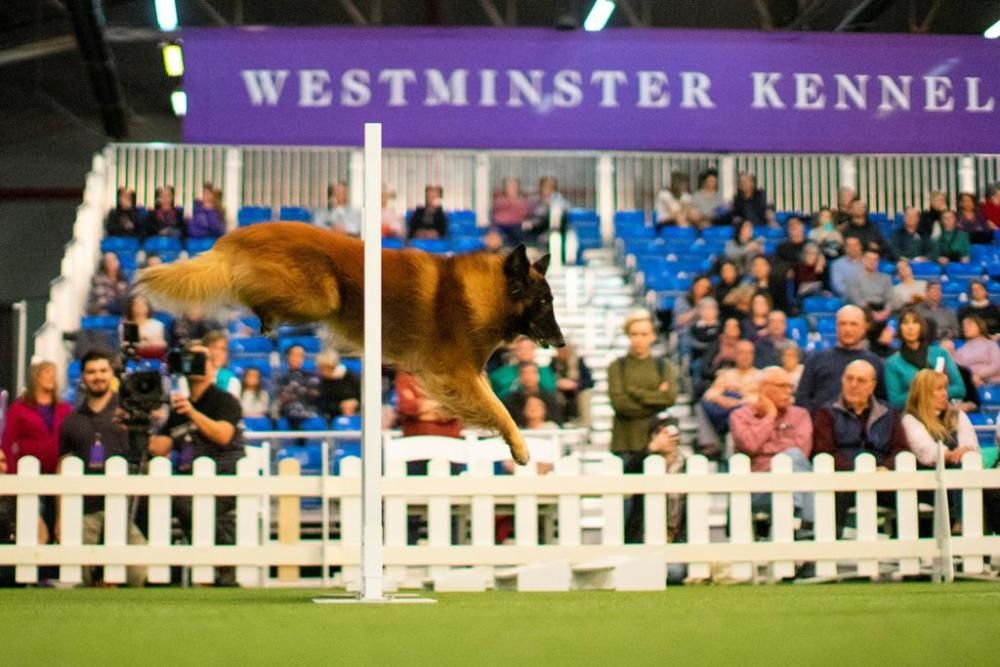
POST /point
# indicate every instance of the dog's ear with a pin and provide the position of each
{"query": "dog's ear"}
(516, 265)
(542, 265)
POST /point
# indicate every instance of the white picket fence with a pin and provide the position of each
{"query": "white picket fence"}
(474, 499)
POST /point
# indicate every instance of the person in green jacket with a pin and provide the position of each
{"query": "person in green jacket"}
(640, 386)
(916, 353)
(504, 379)
(953, 244)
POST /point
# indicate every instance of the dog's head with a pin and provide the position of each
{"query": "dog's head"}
(532, 299)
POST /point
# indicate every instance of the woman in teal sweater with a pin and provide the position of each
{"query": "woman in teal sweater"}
(915, 354)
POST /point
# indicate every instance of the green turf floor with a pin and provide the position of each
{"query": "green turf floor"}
(844, 624)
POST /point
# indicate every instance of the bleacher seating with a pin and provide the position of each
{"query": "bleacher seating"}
(294, 214)
(251, 215)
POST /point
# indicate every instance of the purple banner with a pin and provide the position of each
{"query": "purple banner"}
(645, 90)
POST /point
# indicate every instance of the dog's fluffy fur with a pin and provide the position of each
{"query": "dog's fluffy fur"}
(441, 317)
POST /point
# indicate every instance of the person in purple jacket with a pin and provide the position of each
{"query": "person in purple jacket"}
(209, 219)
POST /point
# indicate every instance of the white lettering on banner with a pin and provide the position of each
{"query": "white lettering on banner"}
(694, 90)
(487, 87)
(312, 88)
(568, 92)
(264, 85)
(938, 94)
(397, 78)
(652, 93)
(520, 85)
(764, 94)
(972, 85)
(899, 92)
(356, 90)
(807, 91)
(857, 90)
(451, 91)
(609, 80)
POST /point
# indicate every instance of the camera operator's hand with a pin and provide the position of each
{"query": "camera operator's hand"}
(181, 405)
(160, 445)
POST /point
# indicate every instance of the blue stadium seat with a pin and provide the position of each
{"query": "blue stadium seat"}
(769, 233)
(240, 365)
(954, 287)
(162, 245)
(887, 266)
(685, 235)
(251, 215)
(128, 260)
(925, 270)
(313, 424)
(951, 302)
(462, 218)
(258, 423)
(878, 217)
(91, 322)
(251, 345)
(198, 246)
(463, 244)
(717, 233)
(989, 397)
(630, 217)
(311, 344)
(797, 330)
(826, 325)
(814, 305)
(962, 271)
(73, 372)
(353, 364)
(343, 449)
(633, 231)
(295, 214)
(392, 243)
(119, 244)
(346, 423)
(436, 246)
(582, 215)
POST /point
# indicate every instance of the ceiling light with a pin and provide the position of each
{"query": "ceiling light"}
(173, 60)
(599, 15)
(179, 101)
(993, 31)
(166, 15)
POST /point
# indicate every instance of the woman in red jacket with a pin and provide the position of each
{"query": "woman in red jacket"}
(34, 420)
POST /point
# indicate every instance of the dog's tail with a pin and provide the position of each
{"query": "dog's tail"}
(204, 280)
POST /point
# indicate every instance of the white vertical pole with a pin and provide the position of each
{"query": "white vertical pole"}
(606, 196)
(483, 193)
(967, 174)
(232, 185)
(727, 177)
(21, 308)
(371, 430)
(848, 172)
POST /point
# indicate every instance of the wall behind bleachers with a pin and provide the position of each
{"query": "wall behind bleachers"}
(639, 176)
(576, 173)
(890, 183)
(144, 167)
(291, 176)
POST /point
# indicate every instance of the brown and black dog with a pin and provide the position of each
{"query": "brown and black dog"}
(442, 317)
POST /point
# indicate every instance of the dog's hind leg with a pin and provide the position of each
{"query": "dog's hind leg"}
(471, 399)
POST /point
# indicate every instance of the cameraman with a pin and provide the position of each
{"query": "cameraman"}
(204, 424)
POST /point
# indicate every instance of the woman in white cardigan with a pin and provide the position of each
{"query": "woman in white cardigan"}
(931, 423)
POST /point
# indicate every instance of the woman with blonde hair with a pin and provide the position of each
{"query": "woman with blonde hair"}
(932, 424)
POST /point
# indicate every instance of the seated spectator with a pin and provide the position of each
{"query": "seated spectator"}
(772, 342)
(535, 415)
(664, 439)
(528, 385)
(826, 235)
(165, 219)
(670, 202)
(820, 382)
(720, 354)
(916, 352)
(217, 344)
(755, 326)
(788, 254)
(685, 311)
(540, 208)
(209, 219)
(952, 244)
(771, 425)
(810, 273)
(980, 354)
(429, 221)
(770, 282)
(941, 321)
(932, 424)
(863, 229)
(573, 385)
(871, 288)
(706, 328)
(930, 219)
(504, 379)
(881, 336)
(743, 247)
(791, 361)
(750, 202)
(707, 201)
(420, 415)
(732, 388)
(297, 389)
(971, 220)
(339, 389)
(845, 197)
(123, 220)
(93, 434)
(338, 215)
(729, 279)
(108, 287)
(991, 206)
(908, 291)
(908, 242)
(192, 325)
(152, 337)
(510, 210)
(738, 302)
(255, 400)
(493, 241)
(979, 304)
(846, 268)
(393, 225)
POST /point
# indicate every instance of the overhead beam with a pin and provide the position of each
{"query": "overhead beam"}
(352, 11)
(764, 12)
(212, 13)
(806, 14)
(864, 13)
(491, 13)
(630, 14)
(87, 19)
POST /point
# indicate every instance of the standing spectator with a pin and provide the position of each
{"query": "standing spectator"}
(972, 221)
(123, 219)
(846, 268)
(573, 384)
(640, 385)
(908, 242)
(769, 281)
(528, 385)
(255, 400)
(952, 244)
(209, 219)
(991, 206)
(917, 352)
(217, 344)
(871, 288)
(108, 287)
(541, 206)
(863, 229)
(91, 433)
(820, 382)
(941, 321)
(297, 389)
(770, 347)
(743, 247)
(810, 273)
(931, 218)
(754, 327)
(671, 202)
(152, 339)
(429, 221)
(772, 425)
(826, 235)
(932, 424)
(750, 202)
(510, 210)
(504, 379)
(165, 219)
(980, 354)
(908, 290)
(979, 304)
(393, 225)
(707, 201)
(339, 388)
(664, 439)
(338, 215)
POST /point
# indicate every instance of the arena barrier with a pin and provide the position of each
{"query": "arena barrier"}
(552, 528)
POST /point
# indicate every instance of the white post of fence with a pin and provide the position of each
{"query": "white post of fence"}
(942, 524)
(612, 506)
(350, 520)
(606, 196)
(395, 519)
(967, 174)
(248, 521)
(697, 517)
(356, 177)
(782, 517)
(655, 504)
(848, 172)
(907, 518)
(866, 515)
(159, 520)
(740, 517)
(232, 185)
(727, 177)
(115, 519)
(972, 514)
(483, 196)
(569, 505)
(27, 521)
(526, 512)
(71, 520)
(438, 515)
(825, 523)
(203, 521)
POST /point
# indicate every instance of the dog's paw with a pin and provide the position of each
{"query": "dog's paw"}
(520, 454)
